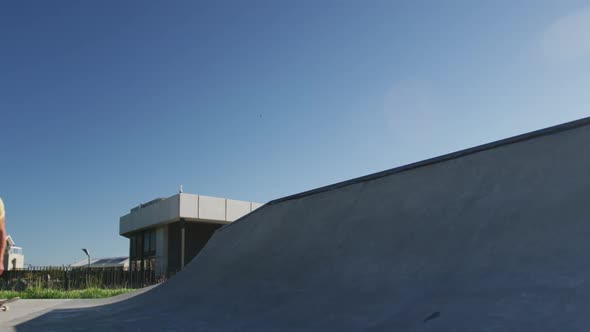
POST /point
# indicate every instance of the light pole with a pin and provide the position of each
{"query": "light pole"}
(87, 254)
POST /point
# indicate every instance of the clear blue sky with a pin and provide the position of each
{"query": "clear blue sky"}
(106, 104)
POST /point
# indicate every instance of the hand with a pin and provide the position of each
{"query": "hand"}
(2, 236)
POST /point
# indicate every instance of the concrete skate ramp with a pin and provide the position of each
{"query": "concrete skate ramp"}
(496, 238)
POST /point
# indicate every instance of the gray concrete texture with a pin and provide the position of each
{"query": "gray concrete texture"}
(490, 239)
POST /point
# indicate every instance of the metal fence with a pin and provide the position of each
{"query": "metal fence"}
(66, 278)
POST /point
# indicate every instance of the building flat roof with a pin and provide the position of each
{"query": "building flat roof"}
(103, 262)
(188, 207)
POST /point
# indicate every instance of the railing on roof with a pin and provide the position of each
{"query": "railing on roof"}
(153, 201)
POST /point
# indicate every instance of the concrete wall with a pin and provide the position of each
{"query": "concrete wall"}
(213, 209)
(161, 249)
(155, 214)
(187, 206)
(494, 240)
(236, 209)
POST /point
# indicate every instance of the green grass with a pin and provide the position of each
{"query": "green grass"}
(41, 293)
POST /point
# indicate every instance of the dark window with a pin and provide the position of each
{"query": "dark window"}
(135, 245)
(132, 250)
(149, 243)
(146, 241)
(153, 240)
(143, 250)
(138, 244)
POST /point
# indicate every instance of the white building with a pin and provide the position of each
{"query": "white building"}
(166, 233)
(13, 256)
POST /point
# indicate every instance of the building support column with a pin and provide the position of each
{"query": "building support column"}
(182, 243)
(161, 250)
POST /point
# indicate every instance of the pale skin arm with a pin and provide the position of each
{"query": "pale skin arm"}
(2, 237)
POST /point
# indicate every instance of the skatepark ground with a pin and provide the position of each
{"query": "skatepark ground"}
(494, 238)
(26, 309)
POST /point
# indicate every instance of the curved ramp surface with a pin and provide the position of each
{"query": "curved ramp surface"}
(490, 239)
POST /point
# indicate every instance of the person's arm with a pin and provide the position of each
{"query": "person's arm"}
(2, 236)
